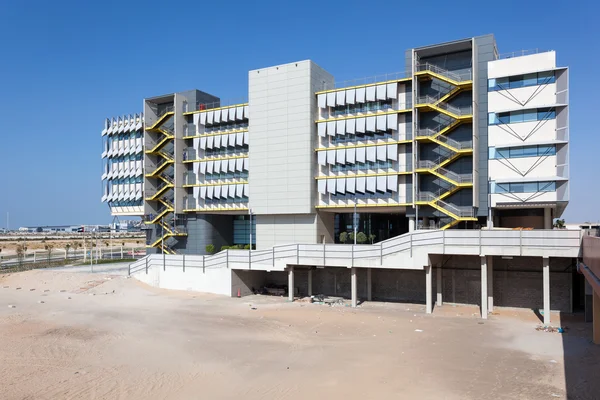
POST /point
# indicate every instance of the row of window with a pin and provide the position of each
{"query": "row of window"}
(128, 157)
(511, 117)
(523, 151)
(228, 200)
(524, 187)
(126, 181)
(227, 175)
(389, 134)
(359, 166)
(125, 136)
(125, 203)
(226, 150)
(363, 196)
(224, 126)
(369, 106)
(518, 81)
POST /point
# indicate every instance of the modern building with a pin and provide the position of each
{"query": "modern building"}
(122, 157)
(463, 139)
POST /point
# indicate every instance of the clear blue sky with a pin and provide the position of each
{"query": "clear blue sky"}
(67, 65)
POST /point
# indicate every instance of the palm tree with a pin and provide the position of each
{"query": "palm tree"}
(559, 224)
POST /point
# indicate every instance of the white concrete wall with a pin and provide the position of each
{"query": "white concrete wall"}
(522, 65)
(283, 133)
(522, 98)
(520, 198)
(274, 230)
(215, 280)
(536, 132)
(539, 167)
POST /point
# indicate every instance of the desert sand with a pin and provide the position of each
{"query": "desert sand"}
(69, 334)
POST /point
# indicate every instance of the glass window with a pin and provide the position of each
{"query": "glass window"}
(516, 116)
(491, 84)
(503, 153)
(530, 79)
(502, 83)
(546, 150)
(517, 188)
(545, 78)
(530, 151)
(492, 119)
(530, 187)
(504, 118)
(502, 188)
(547, 186)
(529, 115)
(515, 81)
(515, 152)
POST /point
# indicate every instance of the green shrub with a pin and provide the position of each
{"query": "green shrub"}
(344, 237)
(247, 247)
(361, 238)
(210, 248)
(225, 248)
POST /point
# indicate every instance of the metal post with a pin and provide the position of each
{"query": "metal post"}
(227, 258)
(162, 241)
(273, 255)
(203, 263)
(381, 253)
(324, 253)
(250, 216)
(352, 264)
(146, 265)
(354, 221)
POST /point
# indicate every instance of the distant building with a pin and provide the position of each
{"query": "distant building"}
(588, 228)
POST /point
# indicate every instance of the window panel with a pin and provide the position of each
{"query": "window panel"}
(547, 186)
(530, 79)
(544, 78)
(529, 115)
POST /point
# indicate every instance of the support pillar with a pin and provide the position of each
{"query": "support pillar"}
(546, 268)
(490, 286)
(411, 224)
(428, 289)
(596, 318)
(369, 285)
(438, 285)
(291, 283)
(353, 285)
(484, 287)
(547, 218)
(309, 282)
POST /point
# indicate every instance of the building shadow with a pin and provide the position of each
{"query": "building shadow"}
(581, 358)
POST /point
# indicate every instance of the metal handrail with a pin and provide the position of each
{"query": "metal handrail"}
(460, 111)
(461, 211)
(369, 80)
(459, 77)
(520, 53)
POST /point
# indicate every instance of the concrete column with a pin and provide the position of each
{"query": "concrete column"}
(309, 282)
(353, 285)
(428, 289)
(596, 318)
(439, 285)
(411, 224)
(547, 218)
(490, 286)
(291, 283)
(425, 222)
(369, 285)
(546, 268)
(484, 287)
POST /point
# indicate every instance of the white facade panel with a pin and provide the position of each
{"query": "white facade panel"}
(522, 98)
(526, 167)
(522, 133)
(522, 65)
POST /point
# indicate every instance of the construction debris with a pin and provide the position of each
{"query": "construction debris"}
(552, 329)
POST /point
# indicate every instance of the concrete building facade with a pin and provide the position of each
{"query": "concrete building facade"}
(462, 139)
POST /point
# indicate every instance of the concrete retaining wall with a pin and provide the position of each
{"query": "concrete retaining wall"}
(207, 280)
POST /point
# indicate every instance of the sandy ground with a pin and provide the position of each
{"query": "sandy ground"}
(104, 336)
